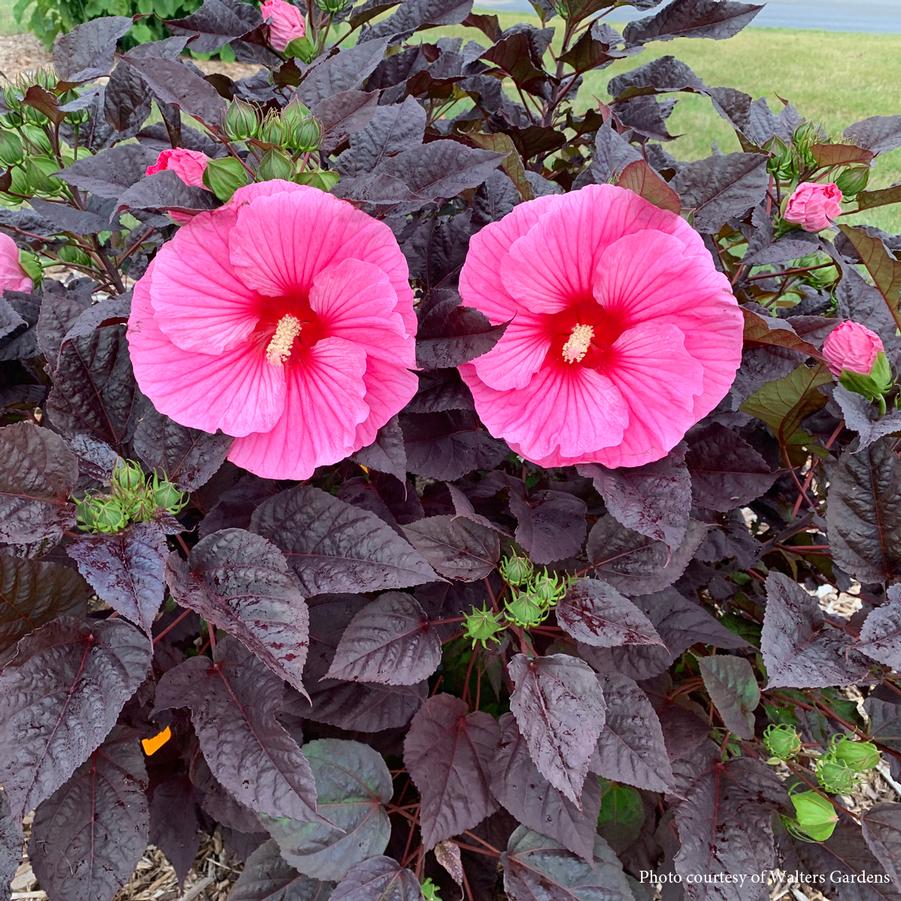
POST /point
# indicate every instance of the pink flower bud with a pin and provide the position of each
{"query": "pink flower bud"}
(814, 206)
(188, 165)
(12, 275)
(286, 22)
(852, 347)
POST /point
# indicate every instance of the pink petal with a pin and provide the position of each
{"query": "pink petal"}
(12, 275)
(237, 391)
(513, 361)
(481, 285)
(389, 388)
(658, 379)
(373, 325)
(201, 302)
(650, 277)
(554, 264)
(315, 230)
(562, 413)
(323, 407)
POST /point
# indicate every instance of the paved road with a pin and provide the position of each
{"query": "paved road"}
(872, 16)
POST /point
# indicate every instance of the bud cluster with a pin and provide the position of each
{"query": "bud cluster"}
(845, 761)
(131, 498)
(529, 605)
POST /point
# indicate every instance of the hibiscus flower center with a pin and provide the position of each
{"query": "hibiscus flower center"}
(577, 343)
(585, 332)
(288, 326)
(279, 347)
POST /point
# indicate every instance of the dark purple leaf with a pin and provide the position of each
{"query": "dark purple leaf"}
(447, 752)
(388, 642)
(659, 76)
(726, 472)
(446, 446)
(630, 748)
(864, 513)
(800, 649)
(89, 835)
(188, 457)
(654, 499)
(692, 19)
(387, 453)
(332, 546)
(559, 708)
(732, 686)
(538, 869)
(61, 305)
(550, 525)
(725, 824)
(418, 14)
(880, 637)
(94, 391)
(864, 418)
(164, 191)
(174, 824)
(241, 583)
(174, 82)
(233, 703)
(353, 784)
(534, 802)
(127, 570)
(64, 690)
(721, 187)
(34, 592)
(38, 472)
(878, 133)
(596, 614)
(87, 52)
(456, 547)
(393, 128)
(110, 172)
(342, 71)
(216, 23)
(343, 114)
(882, 832)
(451, 334)
(364, 708)
(11, 842)
(378, 879)
(267, 877)
(634, 563)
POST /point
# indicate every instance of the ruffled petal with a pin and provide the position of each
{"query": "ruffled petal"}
(373, 325)
(201, 302)
(313, 230)
(513, 361)
(389, 388)
(237, 391)
(658, 380)
(323, 407)
(554, 263)
(481, 285)
(562, 413)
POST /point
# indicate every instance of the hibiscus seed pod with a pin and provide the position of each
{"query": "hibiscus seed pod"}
(525, 610)
(548, 590)
(242, 121)
(482, 625)
(224, 176)
(835, 776)
(859, 756)
(304, 136)
(516, 570)
(272, 131)
(815, 817)
(275, 164)
(128, 477)
(853, 180)
(781, 741)
(167, 497)
(10, 148)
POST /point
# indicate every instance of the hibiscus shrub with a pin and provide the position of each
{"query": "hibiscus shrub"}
(414, 472)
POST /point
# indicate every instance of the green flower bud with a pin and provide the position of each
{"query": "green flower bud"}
(301, 48)
(11, 151)
(224, 176)
(305, 136)
(271, 130)
(100, 514)
(295, 113)
(815, 817)
(167, 497)
(242, 120)
(38, 139)
(323, 179)
(68, 253)
(128, 483)
(525, 610)
(482, 625)
(781, 741)
(547, 589)
(854, 180)
(275, 164)
(31, 265)
(858, 756)
(331, 6)
(872, 385)
(430, 891)
(516, 570)
(835, 776)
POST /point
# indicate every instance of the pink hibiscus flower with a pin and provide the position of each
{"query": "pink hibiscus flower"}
(286, 22)
(285, 319)
(12, 275)
(622, 333)
(188, 165)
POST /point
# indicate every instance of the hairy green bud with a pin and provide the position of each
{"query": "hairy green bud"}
(858, 756)
(304, 136)
(38, 139)
(272, 131)
(548, 589)
(835, 776)
(100, 514)
(516, 570)
(39, 175)
(167, 496)
(781, 741)
(242, 120)
(128, 478)
(482, 625)
(524, 609)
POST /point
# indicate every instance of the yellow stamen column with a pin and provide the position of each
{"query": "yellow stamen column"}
(286, 332)
(577, 344)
